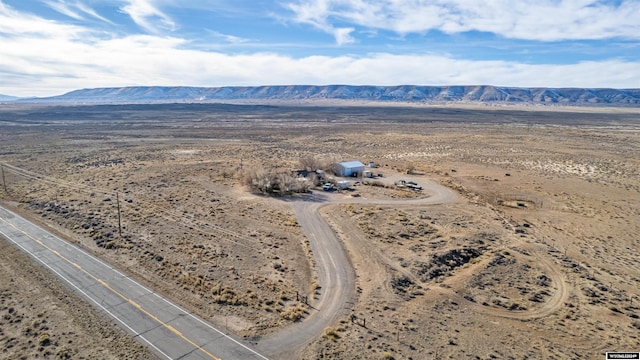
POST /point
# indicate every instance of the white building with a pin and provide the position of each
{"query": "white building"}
(342, 185)
(350, 168)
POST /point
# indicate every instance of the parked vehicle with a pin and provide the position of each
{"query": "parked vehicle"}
(342, 185)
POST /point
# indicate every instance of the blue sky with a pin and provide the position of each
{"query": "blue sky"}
(49, 47)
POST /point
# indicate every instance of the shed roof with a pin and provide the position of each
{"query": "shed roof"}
(351, 164)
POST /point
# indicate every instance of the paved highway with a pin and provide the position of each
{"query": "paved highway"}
(167, 329)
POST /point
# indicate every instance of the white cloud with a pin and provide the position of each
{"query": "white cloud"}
(63, 8)
(74, 9)
(317, 13)
(20, 24)
(146, 15)
(42, 57)
(150, 60)
(545, 20)
(229, 38)
(87, 10)
(343, 35)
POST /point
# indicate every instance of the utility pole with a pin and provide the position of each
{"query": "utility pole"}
(4, 183)
(119, 222)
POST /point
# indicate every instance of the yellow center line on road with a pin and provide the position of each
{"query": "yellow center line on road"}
(135, 304)
(130, 301)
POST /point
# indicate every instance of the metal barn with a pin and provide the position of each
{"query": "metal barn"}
(350, 168)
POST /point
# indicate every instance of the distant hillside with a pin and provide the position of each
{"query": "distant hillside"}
(7, 98)
(402, 93)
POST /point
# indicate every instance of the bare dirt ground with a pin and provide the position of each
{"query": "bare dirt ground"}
(537, 258)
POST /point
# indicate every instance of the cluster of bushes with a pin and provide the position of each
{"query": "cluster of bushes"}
(443, 264)
(277, 182)
(283, 182)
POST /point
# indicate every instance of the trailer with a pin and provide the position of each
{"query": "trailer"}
(342, 185)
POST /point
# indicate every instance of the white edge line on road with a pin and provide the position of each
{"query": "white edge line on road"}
(143, 287)
(83, 293)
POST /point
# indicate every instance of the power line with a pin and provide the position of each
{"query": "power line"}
(119, 222)
(165, 213)
(4, 183)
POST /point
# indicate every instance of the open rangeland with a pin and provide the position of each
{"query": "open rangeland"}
(523, 244)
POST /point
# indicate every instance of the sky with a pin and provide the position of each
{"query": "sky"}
(49, 47)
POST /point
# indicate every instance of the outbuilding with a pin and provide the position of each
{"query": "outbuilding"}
(342, 185)
(350, 168)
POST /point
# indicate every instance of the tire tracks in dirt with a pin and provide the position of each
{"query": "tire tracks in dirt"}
(337, 277)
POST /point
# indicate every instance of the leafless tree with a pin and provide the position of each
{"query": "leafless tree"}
(273, 181)
(310, 163)
(410, 168)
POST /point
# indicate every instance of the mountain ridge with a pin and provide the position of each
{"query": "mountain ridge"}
(384, 94)
(8, 97)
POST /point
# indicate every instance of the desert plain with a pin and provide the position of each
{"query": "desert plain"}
(533, 256)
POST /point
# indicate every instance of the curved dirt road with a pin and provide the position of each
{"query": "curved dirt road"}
(337, 278)
(335, 272)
